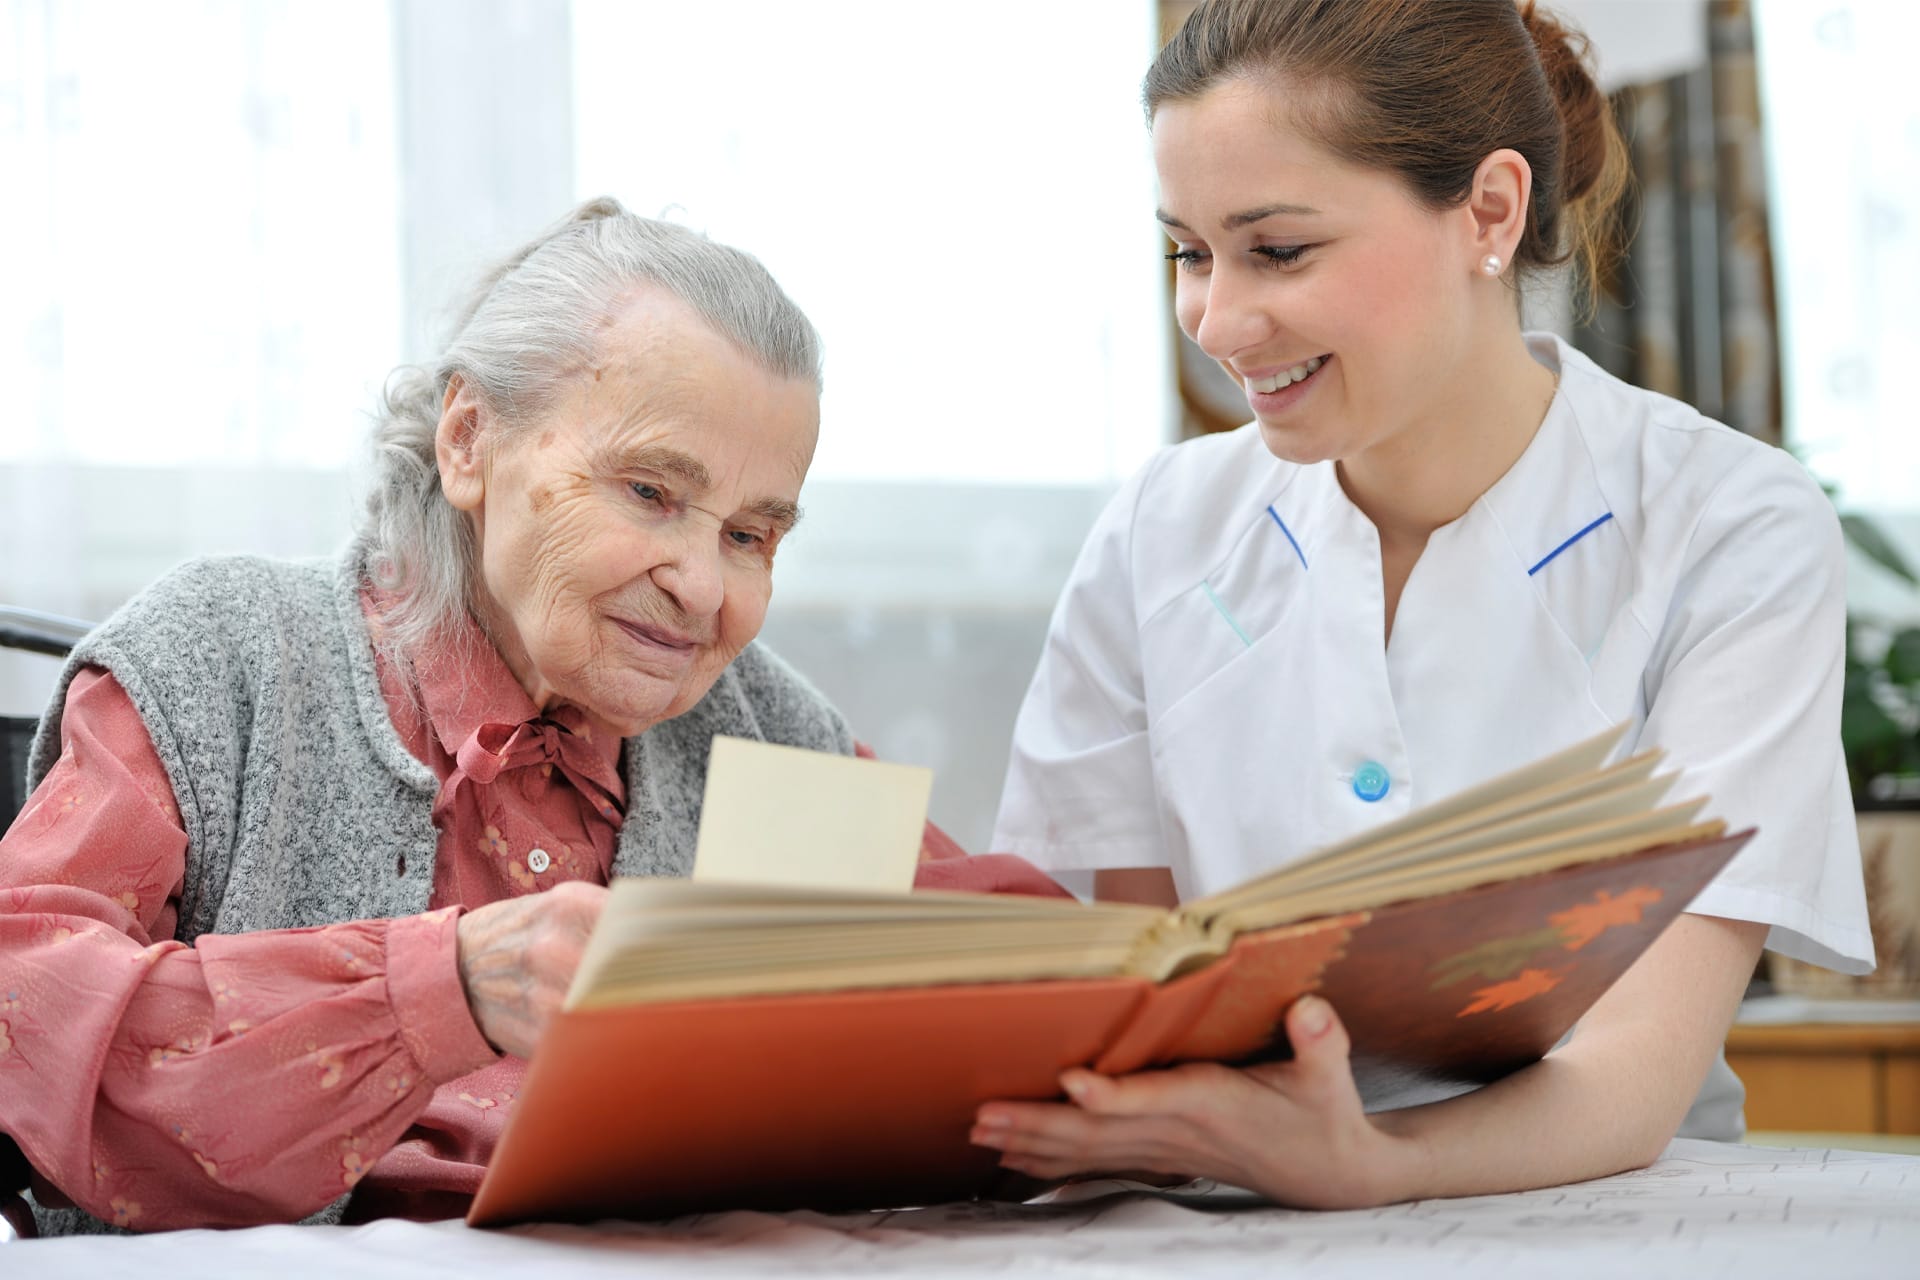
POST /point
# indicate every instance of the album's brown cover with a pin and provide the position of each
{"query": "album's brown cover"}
(863, 1099)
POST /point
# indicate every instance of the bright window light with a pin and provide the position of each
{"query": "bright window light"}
(961, 196)
(1843, 155)
(202, 240)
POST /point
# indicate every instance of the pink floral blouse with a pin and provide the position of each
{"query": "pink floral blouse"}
(255, 1078)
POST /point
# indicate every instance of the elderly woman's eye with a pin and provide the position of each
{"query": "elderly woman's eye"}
(745, 537)
(646, 492)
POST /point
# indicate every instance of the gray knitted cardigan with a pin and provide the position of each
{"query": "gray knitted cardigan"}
(256, 681)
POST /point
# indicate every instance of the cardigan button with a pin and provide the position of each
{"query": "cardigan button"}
(538, 861)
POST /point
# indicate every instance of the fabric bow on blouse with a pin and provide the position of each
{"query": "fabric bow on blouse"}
(529, 755)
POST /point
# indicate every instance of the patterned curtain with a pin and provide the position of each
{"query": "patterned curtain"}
(1209, 399)
(1689, 311)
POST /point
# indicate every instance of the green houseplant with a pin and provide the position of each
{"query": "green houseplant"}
(1880, 734)
(1880, 707)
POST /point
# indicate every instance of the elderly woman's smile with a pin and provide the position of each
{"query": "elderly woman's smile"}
(626, 532)
(658, 639)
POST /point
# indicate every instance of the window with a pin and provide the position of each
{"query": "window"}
(960, 196)
(209, 193)
(1844, 163)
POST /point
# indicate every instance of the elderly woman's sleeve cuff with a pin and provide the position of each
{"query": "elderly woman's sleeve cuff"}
(429, 1002)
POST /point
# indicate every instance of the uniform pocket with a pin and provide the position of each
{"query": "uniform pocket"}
(1213, 625)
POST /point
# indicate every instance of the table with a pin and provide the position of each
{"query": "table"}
(1704, 1210)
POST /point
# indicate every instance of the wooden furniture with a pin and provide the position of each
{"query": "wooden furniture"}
(1831, 1077)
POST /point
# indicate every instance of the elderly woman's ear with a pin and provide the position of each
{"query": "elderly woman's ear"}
(456, 445)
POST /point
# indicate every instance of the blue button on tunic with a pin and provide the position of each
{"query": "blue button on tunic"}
(1371, 783)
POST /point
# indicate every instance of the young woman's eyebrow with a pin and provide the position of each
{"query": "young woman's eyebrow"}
(1245, 218)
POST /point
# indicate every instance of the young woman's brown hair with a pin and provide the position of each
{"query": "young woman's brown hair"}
(1427, 89)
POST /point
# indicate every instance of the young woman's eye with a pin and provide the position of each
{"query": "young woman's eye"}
(1187, 259)
(1284, 255)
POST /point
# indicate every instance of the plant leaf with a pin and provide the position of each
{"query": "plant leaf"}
(1873, 544)
(1902, 662)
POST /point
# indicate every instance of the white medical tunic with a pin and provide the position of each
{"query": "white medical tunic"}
(1215, 697)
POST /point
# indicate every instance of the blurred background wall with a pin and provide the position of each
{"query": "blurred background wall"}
(225, 222)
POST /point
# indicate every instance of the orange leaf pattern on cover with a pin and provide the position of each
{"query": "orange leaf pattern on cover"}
(1582, 923)
(1505, 995)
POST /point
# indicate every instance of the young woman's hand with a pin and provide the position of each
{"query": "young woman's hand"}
(517, 958)
(1292, 1131)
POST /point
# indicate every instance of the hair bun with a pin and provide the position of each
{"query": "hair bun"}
(595, 209)
(1585, 114)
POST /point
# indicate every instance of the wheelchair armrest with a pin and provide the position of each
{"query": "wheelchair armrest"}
(40, 632)
(16, 1219)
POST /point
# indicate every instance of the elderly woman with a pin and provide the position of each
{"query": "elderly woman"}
(314, 847)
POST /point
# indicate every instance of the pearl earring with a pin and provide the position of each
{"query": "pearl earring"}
(1491, 264)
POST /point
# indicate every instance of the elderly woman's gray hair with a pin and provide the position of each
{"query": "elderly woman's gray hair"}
(532, 323)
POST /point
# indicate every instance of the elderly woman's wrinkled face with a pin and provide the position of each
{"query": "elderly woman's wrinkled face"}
(627, 536)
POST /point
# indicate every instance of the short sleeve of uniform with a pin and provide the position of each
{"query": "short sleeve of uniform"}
(1744, 691)
(1080, 793)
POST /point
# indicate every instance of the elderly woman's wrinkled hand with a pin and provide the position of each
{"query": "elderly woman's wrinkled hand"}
(518, 956)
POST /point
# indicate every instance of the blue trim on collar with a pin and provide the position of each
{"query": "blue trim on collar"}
(1548, 558)
(1290, 538)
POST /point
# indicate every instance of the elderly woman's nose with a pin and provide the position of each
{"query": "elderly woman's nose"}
(693, 576)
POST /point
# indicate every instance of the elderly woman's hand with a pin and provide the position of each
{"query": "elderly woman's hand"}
(517, 959)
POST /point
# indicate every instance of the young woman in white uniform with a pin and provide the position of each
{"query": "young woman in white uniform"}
(1442, 549)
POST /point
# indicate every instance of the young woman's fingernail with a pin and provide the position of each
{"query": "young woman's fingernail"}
(994, 1120)
(1314, 1015)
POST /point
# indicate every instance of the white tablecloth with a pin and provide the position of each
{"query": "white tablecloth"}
(1704, 1210)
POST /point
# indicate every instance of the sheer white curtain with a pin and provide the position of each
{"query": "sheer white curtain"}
(200, 226)
(960, 195)
(199, 288)
(1843, 132)
(1843, 150)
